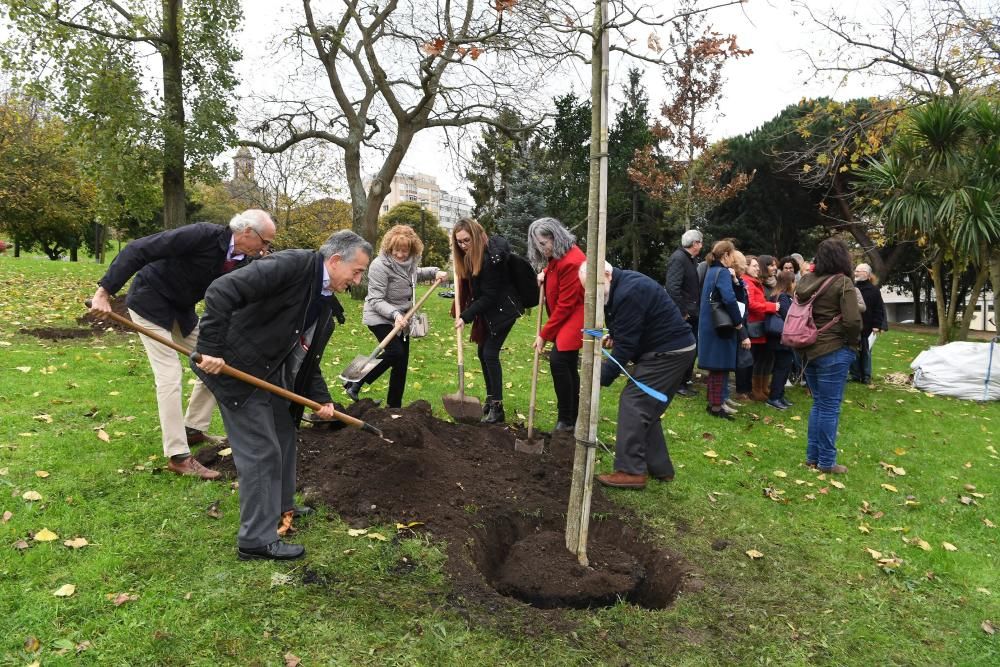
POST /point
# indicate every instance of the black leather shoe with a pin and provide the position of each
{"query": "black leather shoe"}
(276, 550)
(686, 391)
(495, 414)
(352, 389)
(721, 414)
(302, 510)
(565, 426)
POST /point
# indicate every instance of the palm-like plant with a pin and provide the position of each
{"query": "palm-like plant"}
(938, 183)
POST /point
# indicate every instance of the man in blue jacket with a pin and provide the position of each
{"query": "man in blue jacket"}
(645, 329)
(172, 270)
(273, 320)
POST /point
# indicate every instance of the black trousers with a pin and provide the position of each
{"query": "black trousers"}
(395, 356)
(783, 360)
(763, 359)
(566, 378)
(640, 447)
(693, 323)
(489, 359)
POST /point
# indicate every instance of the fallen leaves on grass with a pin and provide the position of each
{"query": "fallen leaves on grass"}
(754, 554)
(77, 543)
(948, 546)
(292, 660)
(357, 532)
(64, 591)
(988, 523)
(31, 496)
(7, 516)
(103, 435)
(710, 454)
(890, 487)
(118, 599)
(21, 545)
(43, 418)
(280, 579)
(988, 627)
(839, 485)
(45, 535)
(41, 473)
(31, 644)
(213, 510)
(780, 473)
(895, 471)
(227, 451)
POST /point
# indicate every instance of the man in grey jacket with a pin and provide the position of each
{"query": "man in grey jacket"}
(273, 320)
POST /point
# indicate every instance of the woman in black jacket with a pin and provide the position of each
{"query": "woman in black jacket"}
(489, 302)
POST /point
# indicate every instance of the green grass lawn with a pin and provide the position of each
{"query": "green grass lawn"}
(84, 412)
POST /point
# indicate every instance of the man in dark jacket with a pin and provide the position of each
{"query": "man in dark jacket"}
(684, 287)
(872, 321)
(172, 270)
(273, 320)
(645, 329)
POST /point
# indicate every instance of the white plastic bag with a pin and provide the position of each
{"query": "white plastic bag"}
(959, 370)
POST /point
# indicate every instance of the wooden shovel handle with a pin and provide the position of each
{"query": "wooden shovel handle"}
(240, 375)
(396, 329)
(534, 363)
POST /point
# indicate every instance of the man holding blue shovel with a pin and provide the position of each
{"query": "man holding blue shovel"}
(645, 329)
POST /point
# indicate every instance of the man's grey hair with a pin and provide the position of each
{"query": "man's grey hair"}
(252, 218)
(690, 237)
(864, 267)
(345, 243)
(562, 240)
(798, 258)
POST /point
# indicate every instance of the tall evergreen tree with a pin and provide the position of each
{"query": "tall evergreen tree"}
(493, 161)
(525, 204)
(565, 163)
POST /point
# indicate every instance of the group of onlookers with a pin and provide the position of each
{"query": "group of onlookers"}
(738, 316)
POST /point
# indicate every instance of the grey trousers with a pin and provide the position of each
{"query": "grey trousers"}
(262, 436)
(641, 447)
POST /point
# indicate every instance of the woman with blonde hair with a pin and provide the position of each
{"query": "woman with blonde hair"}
(392, 279)
(490, 303)
(717, 344)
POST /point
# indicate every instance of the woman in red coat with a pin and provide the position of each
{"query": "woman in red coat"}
(759, 308)
(551, 245)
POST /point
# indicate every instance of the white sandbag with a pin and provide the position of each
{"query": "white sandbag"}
(959, 370)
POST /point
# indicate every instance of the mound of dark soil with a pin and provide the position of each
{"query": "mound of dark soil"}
(502, 513)
(55, 333)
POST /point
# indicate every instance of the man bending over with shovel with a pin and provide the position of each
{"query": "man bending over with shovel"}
(172, 270)
(273, 320)
(645, 329)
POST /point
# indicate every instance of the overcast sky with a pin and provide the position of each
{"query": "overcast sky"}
(756, 88)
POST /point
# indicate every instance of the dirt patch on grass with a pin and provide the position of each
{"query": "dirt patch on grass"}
(502, 513)
(56, 333)
(99, 326)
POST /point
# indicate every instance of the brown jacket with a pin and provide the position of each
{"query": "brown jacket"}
(838, 298)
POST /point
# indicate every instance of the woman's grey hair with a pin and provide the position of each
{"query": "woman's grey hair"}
(252, 218)
(690, 237)
(562, 240)
(345, 243)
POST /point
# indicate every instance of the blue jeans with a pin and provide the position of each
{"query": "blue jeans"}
(826, 377)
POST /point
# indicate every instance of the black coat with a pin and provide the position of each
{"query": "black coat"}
(494, 296)
(682, 282)
(255, 319)
(172, 270)
(874, 315)
(641, 318)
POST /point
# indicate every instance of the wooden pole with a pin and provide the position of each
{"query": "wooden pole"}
(578, 512)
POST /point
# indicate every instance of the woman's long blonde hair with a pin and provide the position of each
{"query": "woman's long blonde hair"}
(469, 263)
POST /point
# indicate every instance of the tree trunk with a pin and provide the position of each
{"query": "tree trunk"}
(954, 301)
(636, 251)
(174, 212)
(17, 248)
(942, 320)
(995, 284)
(74, 254)
(970, 309)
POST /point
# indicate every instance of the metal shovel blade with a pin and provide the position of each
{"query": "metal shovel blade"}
(359, 367)
(463, 409)
(529, 445)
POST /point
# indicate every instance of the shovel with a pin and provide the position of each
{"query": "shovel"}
(463, 409)
(246, 377)
(532, 446)
(362, 365)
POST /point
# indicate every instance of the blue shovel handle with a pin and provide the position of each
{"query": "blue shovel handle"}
(658, 395)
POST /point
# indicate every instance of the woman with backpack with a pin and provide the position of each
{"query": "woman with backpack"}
(551, 245)
(490, 303)
(392, 278)
(827, 359)
(783, 356)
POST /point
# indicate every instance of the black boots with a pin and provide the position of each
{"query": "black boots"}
(494, 412)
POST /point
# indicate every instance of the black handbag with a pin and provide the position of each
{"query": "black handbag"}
(774, 326)
(755, 329)
(722, 321)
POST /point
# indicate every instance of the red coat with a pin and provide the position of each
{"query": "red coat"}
(758, 307)
(564, 301)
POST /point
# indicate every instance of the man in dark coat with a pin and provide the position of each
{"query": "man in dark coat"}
(273, 320)
(645, 329)
(172, 270)
(872, 321)
(684, 287)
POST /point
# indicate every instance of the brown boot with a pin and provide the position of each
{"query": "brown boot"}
(191, 466)
(285, 526)
(623, 480)
(758, 393)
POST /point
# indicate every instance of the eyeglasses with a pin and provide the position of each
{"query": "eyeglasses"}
(463, 242)
(267, 244)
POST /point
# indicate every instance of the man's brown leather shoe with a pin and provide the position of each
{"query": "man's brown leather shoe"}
(835, 469)
(623, 480)
(196, 437)
(191, 466)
